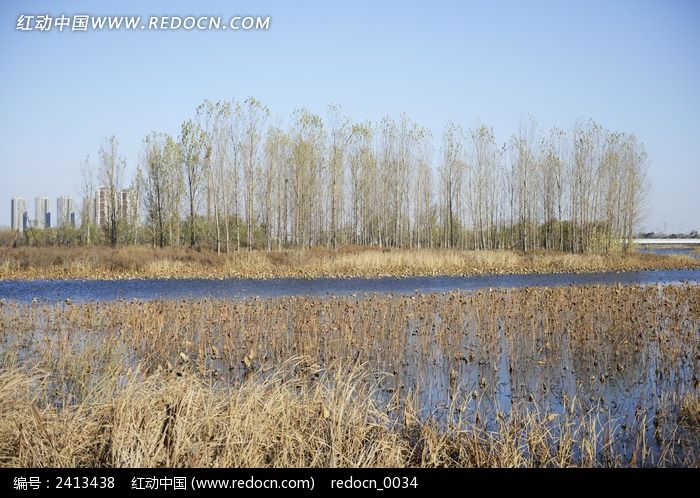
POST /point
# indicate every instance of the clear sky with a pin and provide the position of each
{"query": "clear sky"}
(630, 65)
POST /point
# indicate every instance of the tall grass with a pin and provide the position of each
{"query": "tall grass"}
(146, 262)
(165, 419)
(592, 376)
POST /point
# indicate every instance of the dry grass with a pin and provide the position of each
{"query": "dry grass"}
(589, 376)
(690, 412)
(169, 420)
(180, 421)
(146, 262)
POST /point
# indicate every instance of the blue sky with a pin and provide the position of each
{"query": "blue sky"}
(630, 65)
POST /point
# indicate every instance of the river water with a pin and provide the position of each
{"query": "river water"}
(150, 289)
(670, 251)
(518, 361)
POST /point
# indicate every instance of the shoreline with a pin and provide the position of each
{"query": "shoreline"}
(139, 263)
(307, 277)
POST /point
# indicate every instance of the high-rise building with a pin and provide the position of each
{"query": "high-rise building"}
(127, 205)
(18, 214)
(102, 203)
(65, 211)
(42, 217)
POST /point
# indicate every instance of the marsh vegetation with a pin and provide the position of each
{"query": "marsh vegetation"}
(92, 262)
(592, 376)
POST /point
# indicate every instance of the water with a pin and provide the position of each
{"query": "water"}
(671, 251)
(627, 366)
(149, 289)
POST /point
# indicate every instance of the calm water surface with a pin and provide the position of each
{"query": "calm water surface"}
(149, 289)
(670, 251)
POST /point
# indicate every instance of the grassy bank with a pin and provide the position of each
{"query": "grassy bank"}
(145, 262)
(586, 376)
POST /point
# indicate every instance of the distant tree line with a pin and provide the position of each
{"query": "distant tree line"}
(235, 179)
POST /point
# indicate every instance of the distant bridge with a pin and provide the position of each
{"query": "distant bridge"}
(665, 241)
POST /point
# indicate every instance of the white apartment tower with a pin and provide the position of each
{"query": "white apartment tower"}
(101, 208)
(127, 205)
(42, 218)
(65, 212)
(18, 214)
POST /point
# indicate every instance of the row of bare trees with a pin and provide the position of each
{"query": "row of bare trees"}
(236, 179)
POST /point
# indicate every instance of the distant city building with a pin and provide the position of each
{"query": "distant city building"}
(65, 211)
(127, 205)
(101, 208)
(18, 214)
(42, 216)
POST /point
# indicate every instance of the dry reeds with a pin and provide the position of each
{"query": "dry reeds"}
(145, 262)
(592, 376)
